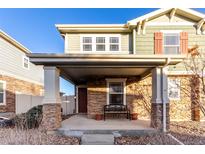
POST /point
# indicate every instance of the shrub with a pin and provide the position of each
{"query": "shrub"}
(31, 119)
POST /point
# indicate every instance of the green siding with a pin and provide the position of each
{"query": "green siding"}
(145, 43)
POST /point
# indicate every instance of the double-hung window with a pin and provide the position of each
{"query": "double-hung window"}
(25, 62)
(100, 43)
(171, 43)
(87, 43)
(174, 89)
(2, 93)
(116, 91)
(114, 43)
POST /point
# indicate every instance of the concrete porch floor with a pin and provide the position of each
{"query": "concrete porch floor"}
(78, 125)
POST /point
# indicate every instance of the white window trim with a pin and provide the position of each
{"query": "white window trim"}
(24, 57)
(4, 88)
(107, 44)
(178, 98)
(171, 32)
(123, 80)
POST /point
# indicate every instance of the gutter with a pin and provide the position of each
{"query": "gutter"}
(164, 102)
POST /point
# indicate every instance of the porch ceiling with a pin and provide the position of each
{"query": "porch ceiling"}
(79, 68)
(81, 75)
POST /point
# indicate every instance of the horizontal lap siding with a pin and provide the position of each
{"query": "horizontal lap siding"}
(145, 43)
(73, 43)
(11, 62)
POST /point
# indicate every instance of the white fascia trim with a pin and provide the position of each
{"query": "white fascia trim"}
(89, 25)
(108, 80)
(146, 16)
(179, 73)
(14, 42)
(171, 31)
(154, 13)
(171, 24)
(20, 78)
(94, 44)
(4, 92)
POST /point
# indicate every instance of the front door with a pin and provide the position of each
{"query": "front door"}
(82, 100)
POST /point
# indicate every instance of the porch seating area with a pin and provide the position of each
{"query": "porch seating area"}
(116, 109)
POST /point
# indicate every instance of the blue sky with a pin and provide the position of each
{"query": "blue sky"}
(35, 28)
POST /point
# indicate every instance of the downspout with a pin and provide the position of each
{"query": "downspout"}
(164, 102)
(134, 40)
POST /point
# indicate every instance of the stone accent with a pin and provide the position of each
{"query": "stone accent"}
(51, 116)
(14, 85)
(138, 96)
(157, 116)
(97, 95)
(195, 98)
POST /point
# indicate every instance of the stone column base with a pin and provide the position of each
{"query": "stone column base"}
(157, 115)
(51, 116)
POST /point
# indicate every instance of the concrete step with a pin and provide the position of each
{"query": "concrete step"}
(97, 139)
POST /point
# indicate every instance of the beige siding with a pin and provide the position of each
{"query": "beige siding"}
(166, 18)
(11, 64)
(145, 43)
(74, 43)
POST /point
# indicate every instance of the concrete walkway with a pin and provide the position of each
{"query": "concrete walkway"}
(97, 139)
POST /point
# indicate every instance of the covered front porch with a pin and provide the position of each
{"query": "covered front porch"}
(86, 70)
(81, 124)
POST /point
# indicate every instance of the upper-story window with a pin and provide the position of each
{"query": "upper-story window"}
(25, 62)
(114, 43)
(171, 43)
(100, 43)
(87, 43)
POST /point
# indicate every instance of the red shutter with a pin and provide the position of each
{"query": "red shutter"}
(158, 46)
(184, 42)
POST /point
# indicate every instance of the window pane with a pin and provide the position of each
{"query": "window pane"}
(171, 50)
(174, 89)
(116, 87)
(1, 87)
(114, 47)
(171, 39)
(87, 47)
(100, 39)
(1, 97)
(87, 39)
(100, 47)
(114, 39)
(116, 99)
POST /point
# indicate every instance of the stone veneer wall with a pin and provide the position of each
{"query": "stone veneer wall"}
(14, 85)
(138, 96)
(96, 96)
(51, 116)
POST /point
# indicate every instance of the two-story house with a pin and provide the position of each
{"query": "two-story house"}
(125, 64)
(17, 74)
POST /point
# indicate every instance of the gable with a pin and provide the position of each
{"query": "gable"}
(176, 18)
(169, 17)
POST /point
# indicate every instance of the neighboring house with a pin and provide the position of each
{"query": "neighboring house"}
(125, 64)
(17, 74)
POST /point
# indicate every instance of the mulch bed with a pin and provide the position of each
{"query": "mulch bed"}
(13, 136)
(157, 139)
(188, 132)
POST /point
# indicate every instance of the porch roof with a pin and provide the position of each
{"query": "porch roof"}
(78, 68)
